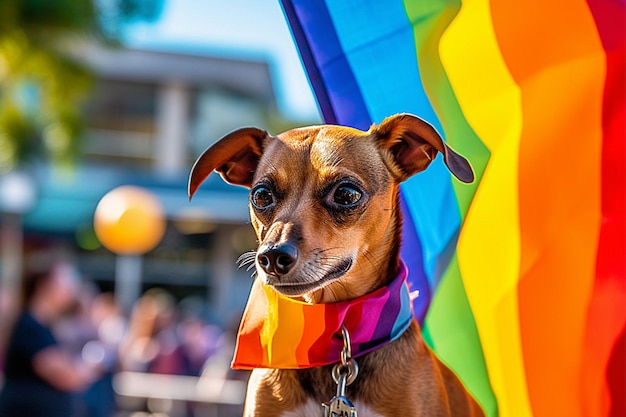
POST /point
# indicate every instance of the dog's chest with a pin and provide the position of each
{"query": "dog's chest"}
(313, 409)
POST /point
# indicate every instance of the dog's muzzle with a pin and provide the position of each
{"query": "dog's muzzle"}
(277, 259)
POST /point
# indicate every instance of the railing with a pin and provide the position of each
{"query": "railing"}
(204, 392)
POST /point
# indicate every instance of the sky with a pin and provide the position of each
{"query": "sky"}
(239, 29)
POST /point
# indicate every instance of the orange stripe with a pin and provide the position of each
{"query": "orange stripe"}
(554, 54)
(315, 328)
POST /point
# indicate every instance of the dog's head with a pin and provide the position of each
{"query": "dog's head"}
(324, 199)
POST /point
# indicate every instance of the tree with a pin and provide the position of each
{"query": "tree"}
(41, 85)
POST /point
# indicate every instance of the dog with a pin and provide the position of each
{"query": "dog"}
(324, 203)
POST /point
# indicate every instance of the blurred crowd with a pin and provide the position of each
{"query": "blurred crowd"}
(67, 341)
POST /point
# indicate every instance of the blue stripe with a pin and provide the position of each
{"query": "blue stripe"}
(403, 321)
(433, 207)
(380, 47)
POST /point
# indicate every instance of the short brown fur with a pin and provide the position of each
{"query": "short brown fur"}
(338, 251)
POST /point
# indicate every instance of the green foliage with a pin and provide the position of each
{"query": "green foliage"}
(41, 85)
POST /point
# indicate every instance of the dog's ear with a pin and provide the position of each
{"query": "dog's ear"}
(235, 157)
(414, 144)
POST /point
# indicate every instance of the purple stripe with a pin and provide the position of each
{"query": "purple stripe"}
(411, 254)
(336, 342)
(388, 317)
(374, 319)
(338, 94)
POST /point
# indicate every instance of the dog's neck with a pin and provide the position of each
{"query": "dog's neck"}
(383, 265)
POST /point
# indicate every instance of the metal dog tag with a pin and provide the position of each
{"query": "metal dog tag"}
(340, 406)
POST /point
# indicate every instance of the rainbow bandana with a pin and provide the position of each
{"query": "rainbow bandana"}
(279, 332)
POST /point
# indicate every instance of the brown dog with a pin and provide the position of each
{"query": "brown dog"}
(334, 190)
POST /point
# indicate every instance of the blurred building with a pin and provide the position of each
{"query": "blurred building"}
(150, 115)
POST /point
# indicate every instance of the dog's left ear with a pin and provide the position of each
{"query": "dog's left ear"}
(234, 157)
(414, 144)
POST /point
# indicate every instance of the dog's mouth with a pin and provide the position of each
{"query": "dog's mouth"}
(292, 289)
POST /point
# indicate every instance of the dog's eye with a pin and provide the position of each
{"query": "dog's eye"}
(262, 197)
(346, 195)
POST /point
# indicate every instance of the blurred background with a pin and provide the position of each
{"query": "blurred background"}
(100, 94)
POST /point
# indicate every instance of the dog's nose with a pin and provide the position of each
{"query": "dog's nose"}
(277, 259)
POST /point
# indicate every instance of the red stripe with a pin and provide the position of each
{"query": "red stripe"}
(319, 351)
(607, 310)
(313, 331)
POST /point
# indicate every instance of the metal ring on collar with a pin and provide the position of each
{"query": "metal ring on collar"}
(350, 369)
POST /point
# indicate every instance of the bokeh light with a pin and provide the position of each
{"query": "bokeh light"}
(129, 220)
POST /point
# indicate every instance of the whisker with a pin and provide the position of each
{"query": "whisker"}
(246, 258)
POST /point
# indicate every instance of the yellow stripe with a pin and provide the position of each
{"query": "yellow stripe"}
(270, 325)
(282, 341)
(491, 103)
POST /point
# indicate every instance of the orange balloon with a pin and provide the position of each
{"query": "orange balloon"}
(129, 220)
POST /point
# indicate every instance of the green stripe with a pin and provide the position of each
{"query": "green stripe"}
(450, 327)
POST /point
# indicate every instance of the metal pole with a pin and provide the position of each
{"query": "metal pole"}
(128, 271)
(11, 259)
(11, 247)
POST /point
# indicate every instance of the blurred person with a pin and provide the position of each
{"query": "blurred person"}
(92, 333)
(198, 342)
(198, 338)
(109, 321)
(75, 327)
(168, 359)
(39, 375)
(139, 348)
(152, 343)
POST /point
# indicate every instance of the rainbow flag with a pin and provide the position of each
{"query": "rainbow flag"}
(521, 274)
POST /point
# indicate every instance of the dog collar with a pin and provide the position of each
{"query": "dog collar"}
(279, 332)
